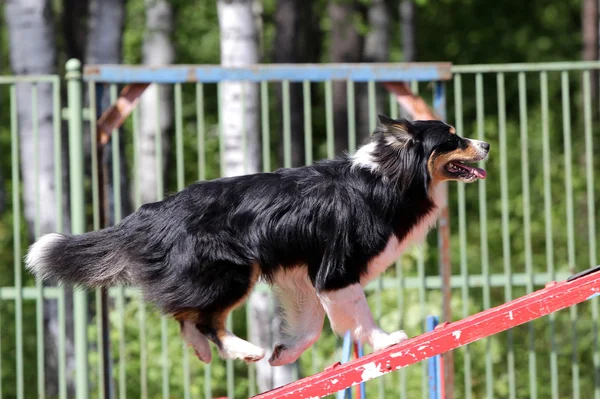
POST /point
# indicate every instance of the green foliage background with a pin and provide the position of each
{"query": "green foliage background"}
(460, 31)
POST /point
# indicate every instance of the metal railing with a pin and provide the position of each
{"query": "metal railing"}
(495, 226)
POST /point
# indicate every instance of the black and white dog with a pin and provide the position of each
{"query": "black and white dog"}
(317, 233)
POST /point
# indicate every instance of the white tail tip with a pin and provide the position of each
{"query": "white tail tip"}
(36, 258)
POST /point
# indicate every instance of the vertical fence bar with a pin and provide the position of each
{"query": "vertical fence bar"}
(591, 209)
(372, 96)
(61, 305)
(179, 137)
(94, 108)
(118, 215)
(141, 304)
(485, 261)
(100, 219)
(589, 162)
(329, 118)
(379, 283)
(73, 77)
(566, 108)
(399, 275)
(14, 141)
(180, 185)
(462, 230)
(308, 160)
(164, 326)
(39, 311)
(266, 130)
(351, 116)
(94, 168)
(505, 225)
(200, 131)
(228, 323)
(201, 143)
(548, 223)
(527, 224)
(287, 131)
(308, 142)
(245, 155)
(439, 103)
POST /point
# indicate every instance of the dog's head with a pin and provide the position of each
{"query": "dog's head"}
(402, 150)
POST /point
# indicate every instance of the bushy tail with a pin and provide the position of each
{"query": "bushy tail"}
(93, 259)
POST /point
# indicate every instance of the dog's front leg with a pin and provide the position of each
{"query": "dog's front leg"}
(348, 310)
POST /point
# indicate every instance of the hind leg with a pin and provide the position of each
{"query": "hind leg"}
(303, 315)
(229, 345)
(229, 291)
(194, 338)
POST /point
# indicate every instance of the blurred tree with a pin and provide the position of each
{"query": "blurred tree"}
(377, 49)
(589, 16)
(297, 40)
(104, 46)
(346, 45)
(409, 30)
(157, 49)
(239, 112)
(238, 120)
(33, 51)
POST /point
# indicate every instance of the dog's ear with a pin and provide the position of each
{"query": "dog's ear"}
(397, 132)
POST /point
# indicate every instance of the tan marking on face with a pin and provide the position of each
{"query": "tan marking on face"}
(436, 162)
(452, 130)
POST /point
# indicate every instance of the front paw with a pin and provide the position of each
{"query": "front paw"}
(383, 341)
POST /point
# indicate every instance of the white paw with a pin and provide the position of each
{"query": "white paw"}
(383, 341)
(236, 348)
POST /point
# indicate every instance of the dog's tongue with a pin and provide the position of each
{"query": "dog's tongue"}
(480, 173)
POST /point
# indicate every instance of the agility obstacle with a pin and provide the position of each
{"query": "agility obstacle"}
(445, 337)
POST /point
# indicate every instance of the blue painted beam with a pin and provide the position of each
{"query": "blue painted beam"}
(378, 72)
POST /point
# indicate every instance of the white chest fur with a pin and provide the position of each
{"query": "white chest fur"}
(395, 248)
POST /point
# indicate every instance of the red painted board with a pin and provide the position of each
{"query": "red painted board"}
(448, 336)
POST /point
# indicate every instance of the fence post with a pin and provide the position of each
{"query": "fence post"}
(80, 315)
(444, 250)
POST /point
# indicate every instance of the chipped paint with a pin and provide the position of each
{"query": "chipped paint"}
(370, 371)
(484, 324)
(335, 381)
(420, 348)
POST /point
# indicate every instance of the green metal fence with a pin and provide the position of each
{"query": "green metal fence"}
(531, 221)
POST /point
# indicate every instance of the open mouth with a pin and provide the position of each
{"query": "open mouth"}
(463, 171)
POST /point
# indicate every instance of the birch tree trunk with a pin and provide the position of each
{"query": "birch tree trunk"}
(239, 115)
(157, 49)
(32, 43)
(377, 49)
(239, 119)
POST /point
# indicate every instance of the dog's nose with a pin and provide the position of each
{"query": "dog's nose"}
(485, 146)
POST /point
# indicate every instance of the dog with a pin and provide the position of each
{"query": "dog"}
(318, 234)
